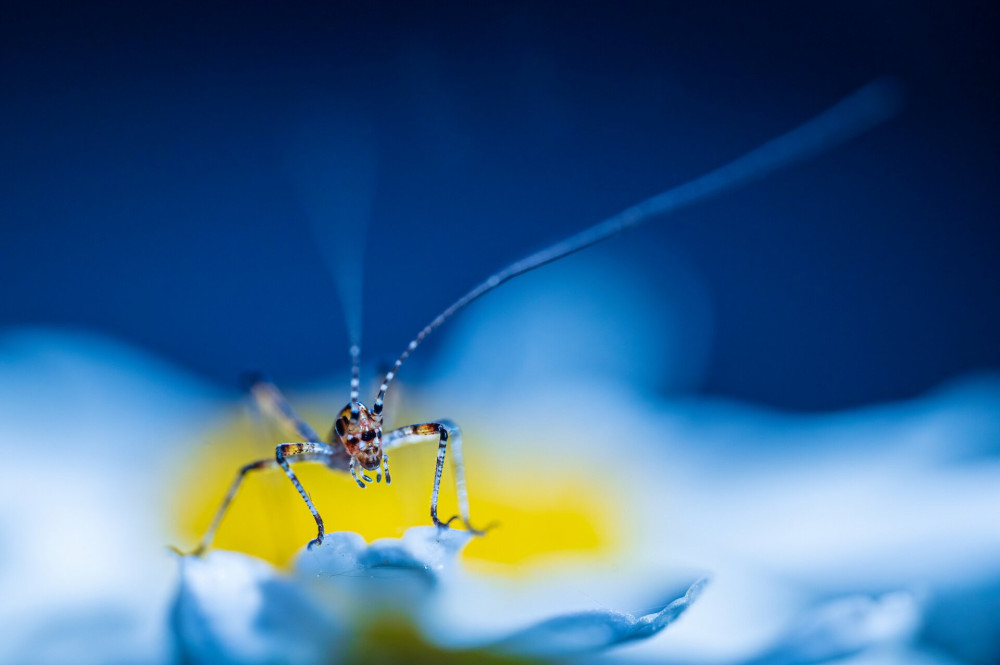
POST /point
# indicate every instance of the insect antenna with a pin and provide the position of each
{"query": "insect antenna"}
(355, 380)
(862, 110)
(334, 169)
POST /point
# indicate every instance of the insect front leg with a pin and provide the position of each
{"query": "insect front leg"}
(447, 433)
(206, 540)
(282, 454)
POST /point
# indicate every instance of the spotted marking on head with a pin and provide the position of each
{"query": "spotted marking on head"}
(361, 436)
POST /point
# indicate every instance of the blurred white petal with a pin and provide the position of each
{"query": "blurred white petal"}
(232, 608)
(359, 579)
(583, 632)
(87, 424)
(847, 626)
(900, 656)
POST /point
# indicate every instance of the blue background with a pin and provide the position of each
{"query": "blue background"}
(145, 191)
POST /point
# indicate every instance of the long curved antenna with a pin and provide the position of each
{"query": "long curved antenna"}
(334, 171)
(855, 114)
(347, 273)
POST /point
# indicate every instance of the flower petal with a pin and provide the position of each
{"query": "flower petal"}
(390, 573)
(417, 573)
(596, 629)
(232, 608)
(847, 626)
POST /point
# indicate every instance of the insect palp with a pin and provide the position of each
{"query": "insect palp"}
(354, 474)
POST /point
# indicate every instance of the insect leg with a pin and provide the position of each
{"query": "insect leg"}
(446, 431)
(289, 450)
(270, 401)
(206, 540)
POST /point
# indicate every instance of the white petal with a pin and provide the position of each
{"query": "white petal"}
(595, 630)
(354, 578)
(233, 608)
(88, 427)
(418, 574)
(847, 626)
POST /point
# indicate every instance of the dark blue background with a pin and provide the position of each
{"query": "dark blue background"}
(143, 193)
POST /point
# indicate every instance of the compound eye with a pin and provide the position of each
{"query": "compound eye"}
(340, 426)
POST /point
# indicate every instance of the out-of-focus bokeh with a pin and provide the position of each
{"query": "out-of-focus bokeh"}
(790, 388)
(147, 191)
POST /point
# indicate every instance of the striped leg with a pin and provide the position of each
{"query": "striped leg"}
(314, 450)
(445, 431)
(206, 540)
(270, 401)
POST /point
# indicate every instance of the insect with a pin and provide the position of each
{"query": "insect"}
(357, 443)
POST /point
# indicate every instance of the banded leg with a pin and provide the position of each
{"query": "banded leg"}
(445, 431)
(209, 536)
(315, 450)
(270, 401)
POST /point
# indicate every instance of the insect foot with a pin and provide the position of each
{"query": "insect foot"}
(315, 542)
(468, 525)
(197, 552)
(443, 525)
(481, 532)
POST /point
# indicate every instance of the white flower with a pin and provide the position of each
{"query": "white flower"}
(233, 608)
(869, 534)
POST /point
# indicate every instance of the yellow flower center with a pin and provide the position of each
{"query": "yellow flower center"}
(538, 514)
